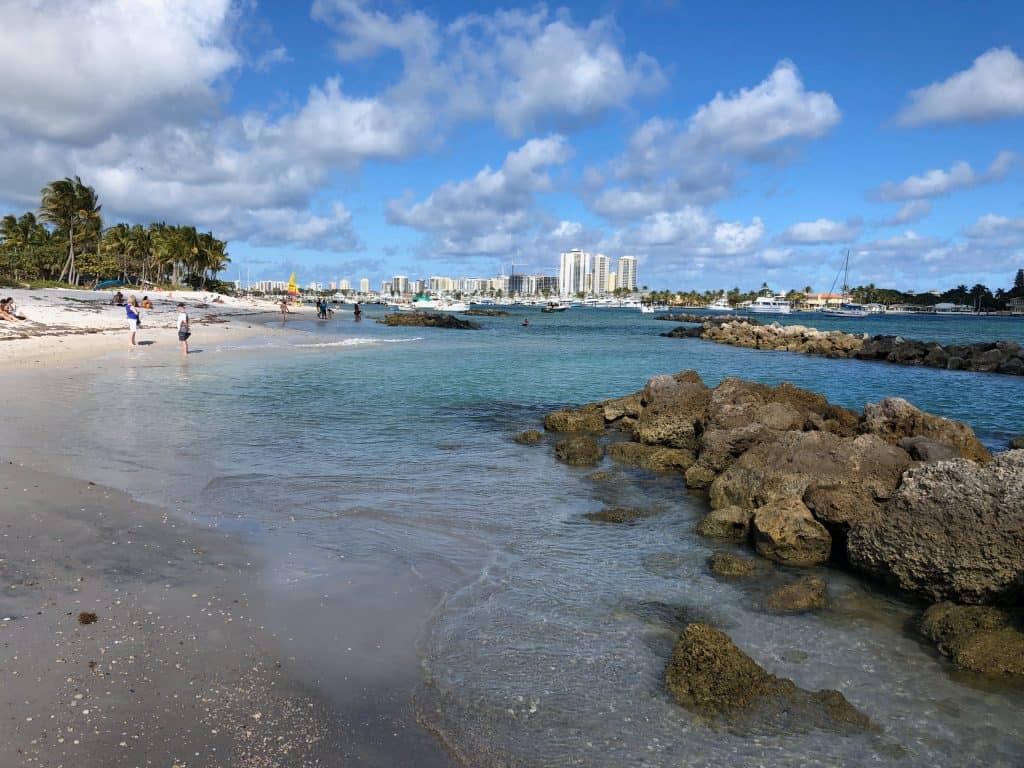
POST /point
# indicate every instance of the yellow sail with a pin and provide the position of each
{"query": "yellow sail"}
(293, 287)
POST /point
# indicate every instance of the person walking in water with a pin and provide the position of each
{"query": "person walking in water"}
(284, 309)
(183, 328)
(133, 312)
(357, 313)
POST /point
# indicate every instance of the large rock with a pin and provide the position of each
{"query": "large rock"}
(841, 479)
(953, 531)
(731, 523)
(586, 419)
(708, 674)
(615, 409)
(925, 449)
(428, 320)
(894, 419)
(580, 451)
(805, 594)
(652, 457)
(673, 406)
(785, 531)
(979, 638)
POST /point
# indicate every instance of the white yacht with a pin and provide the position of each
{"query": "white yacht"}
(721, 304)
(771, 305)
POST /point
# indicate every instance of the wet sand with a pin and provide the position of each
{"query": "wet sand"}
(183, 663)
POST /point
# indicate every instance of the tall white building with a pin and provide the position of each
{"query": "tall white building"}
(572, 274)
(613, 282)
(344, 285)
(599, 285)
(627, 273)
(400, 285)
(364, 285)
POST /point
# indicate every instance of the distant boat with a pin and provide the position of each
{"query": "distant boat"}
(647, 309)
(771, 305)
(846, 308)
(556, 306)
(721, 304)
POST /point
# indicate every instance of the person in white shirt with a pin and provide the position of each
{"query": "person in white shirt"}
(183, 330)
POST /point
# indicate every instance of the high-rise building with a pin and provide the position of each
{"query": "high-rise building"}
(572, 274)
(548, 283)
(627, 273)
(364, 285)
(613, 282)
(386, 287)
(417, 286)
(440, 284)
(344, 285)
(400, 285)
(599, 285)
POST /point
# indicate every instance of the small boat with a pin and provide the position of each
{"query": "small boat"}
(721, 304)
(556, 306)
(846, 308)
(771, 305)
(647, 309)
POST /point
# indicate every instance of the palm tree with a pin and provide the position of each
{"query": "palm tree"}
(74, 209)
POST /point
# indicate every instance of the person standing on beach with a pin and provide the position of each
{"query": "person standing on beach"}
(134, 313)
(284, 309)
(183, 327)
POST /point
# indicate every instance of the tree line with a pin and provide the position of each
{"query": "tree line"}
(978, 296)
(65, 241)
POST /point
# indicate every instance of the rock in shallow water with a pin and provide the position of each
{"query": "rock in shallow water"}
(580, 451)
(428, 320)
(708, 674)
(979, 638)
(726, 565)
(953, 531)
(619, 514)
(730, 522)
(529, 437)
(652, 457)
(806, 594)
(586, 419)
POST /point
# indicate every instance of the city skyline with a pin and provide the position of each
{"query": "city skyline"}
(346, 137)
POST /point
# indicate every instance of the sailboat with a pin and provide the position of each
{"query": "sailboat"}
(846, 308)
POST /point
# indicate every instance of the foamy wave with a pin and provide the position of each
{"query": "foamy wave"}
(358, 342)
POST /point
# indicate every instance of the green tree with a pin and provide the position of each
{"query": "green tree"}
(74, 209)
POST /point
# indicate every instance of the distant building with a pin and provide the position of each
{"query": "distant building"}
(627, 273)
(400, 285)
(1016, 306)
(364, 285)
(345, 285)
(546, 283)
(440, 284)
(417, 287)
(599, 283)
(386, 288)
(572, 273)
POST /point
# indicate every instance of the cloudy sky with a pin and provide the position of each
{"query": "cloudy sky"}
(721, 143)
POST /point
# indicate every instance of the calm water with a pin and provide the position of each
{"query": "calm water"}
(382, 459)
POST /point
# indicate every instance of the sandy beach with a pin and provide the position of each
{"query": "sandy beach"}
(64, 324)
(131, 635)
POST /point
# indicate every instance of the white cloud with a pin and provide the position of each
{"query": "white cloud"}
(667, 164)
(77, 71)
(690, 230)
(913, 211)
(998, 231)
(937, 182)
(992, 88)
(522, 69)
(821, 231)
(482, 215)
(756, 120)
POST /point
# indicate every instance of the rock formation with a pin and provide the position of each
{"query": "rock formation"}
(804, 594)
(579, 451)
(428, 320)
(619, 514)
(979, 638)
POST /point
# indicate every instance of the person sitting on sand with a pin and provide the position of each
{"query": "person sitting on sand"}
(146, 303)
(134, 313)
(7, 310)
(117, 299)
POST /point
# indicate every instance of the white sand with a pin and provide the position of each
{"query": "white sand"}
(61, 323)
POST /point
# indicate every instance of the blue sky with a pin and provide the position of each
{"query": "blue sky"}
(722, 144)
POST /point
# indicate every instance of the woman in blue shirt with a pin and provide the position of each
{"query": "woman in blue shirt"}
(134, 313)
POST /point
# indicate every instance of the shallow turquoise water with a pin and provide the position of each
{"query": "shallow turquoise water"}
(365, 449)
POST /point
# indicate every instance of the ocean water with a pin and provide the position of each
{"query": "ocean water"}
(376, 468)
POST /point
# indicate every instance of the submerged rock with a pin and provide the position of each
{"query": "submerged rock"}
(953, 531)
(729, 566)
(652, 457)
(894, 419)
(726, 523)
(580, 451)
(428, 320)
(805, 594)
(785, 531)
(529, 436)
(619, 514)
(708, 674)
(586, 419)
(979, 638)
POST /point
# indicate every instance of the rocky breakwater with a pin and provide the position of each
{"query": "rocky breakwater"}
(990, 357)
(428, 320)
(903, 497)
